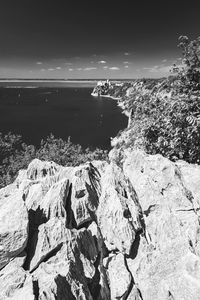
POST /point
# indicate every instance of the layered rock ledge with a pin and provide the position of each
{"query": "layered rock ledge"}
(127, 229)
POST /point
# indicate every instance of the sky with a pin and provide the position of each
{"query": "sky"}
(93, 39)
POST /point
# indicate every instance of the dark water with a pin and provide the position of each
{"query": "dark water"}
(36, 112)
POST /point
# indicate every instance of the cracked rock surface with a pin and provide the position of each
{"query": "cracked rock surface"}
(102, 231)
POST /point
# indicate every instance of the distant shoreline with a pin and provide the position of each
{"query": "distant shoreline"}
(107, 96)
(44, 80)
(60, 80)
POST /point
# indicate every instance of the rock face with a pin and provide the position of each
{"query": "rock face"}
(119, 277)
(118, 211)
(128, 229)
(13, 225)
(168, 250)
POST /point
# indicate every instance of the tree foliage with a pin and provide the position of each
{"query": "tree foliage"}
(166, 118)
(189, 73)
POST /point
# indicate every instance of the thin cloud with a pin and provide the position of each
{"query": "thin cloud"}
(153, 69)
(51, 69)
(101, 62)
(126, 62)
(90, 68)
(158, 69)
(127, 53)
(42, 70)
(70, 69)
(126, 66)
(164, 69)
(79, 69)
(39, 63)
(164, 60)
(58, 68)
(68, 63)
(114, 68)
(105, 67)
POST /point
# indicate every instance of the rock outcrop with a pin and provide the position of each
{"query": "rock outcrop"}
(127, 229)
(13, 225)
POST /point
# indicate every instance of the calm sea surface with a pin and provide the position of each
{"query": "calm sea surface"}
(36, 112)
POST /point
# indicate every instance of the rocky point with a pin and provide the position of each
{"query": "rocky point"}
(127, 229)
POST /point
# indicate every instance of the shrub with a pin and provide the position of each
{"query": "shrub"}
(66, 153)
(16, 155)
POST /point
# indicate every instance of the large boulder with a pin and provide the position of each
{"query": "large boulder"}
(118, 211)
(38, 169)
(51, 236)
(85, 191)
(12, 277)
(66, 192)
(13, 226)
(66, 271)
(119, 277)
(55, 201)
(164, 260)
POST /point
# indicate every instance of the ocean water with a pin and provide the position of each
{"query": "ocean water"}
(36, 112)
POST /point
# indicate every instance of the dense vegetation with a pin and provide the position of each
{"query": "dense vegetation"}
(16, 155)
(166, 115)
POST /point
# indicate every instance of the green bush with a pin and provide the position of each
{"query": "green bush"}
(16, 155)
